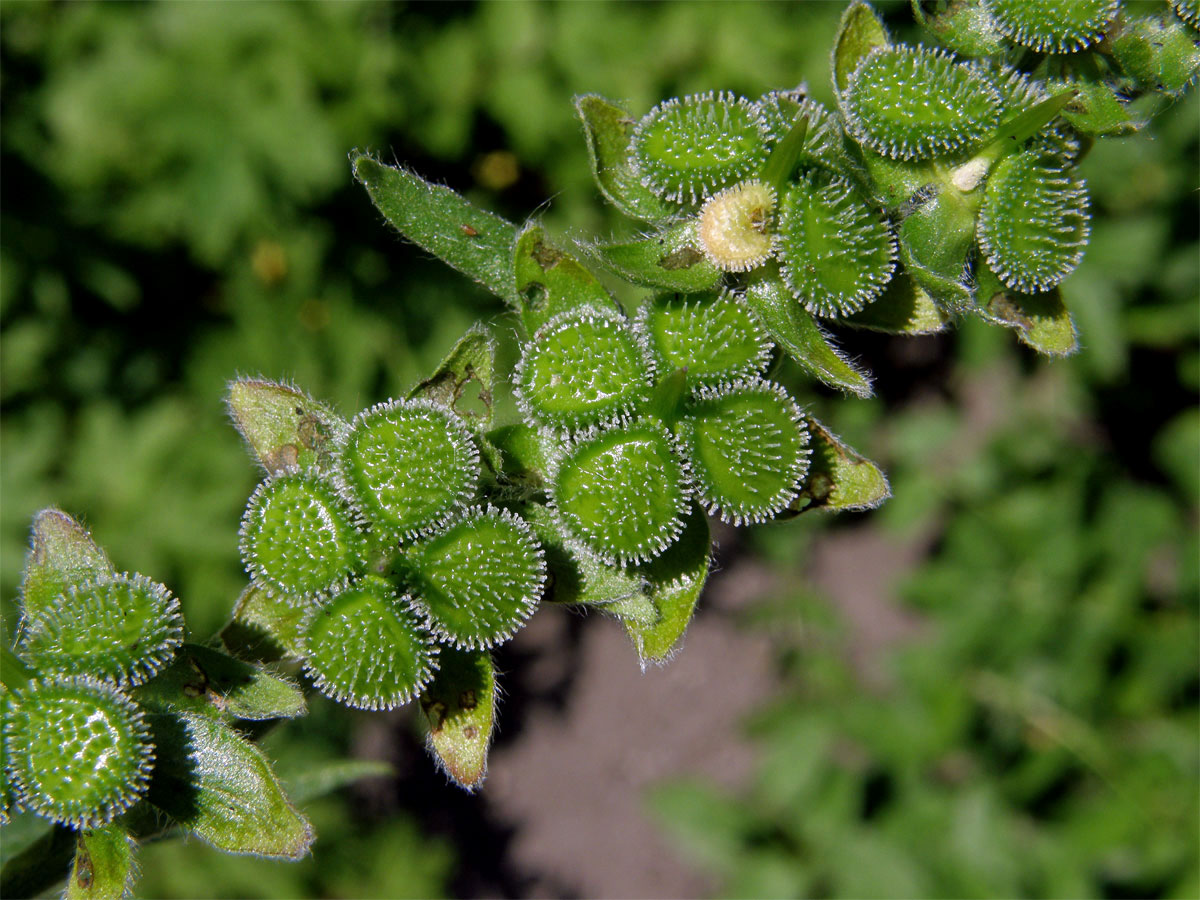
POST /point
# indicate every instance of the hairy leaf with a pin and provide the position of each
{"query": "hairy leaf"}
(201, 678)
(61, 554)
(103, 868)
(283, 426)
(460, 708)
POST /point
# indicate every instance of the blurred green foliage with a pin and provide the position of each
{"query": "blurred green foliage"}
(177, 209)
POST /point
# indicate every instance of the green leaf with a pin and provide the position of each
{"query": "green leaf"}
(61, 554)
(472, 240)
(460, 708)
(220, 787)
(283, 427)
(860, 32)
(904, 308)
(327, 777)
(549, 281)
(676, 580)
(577, 575)
(201, 678)
(607, 129)
(1041, 320)
(795, 330)
(839, 477)
(264, 628)
(103, 868)
(473, 359)
(669, 260)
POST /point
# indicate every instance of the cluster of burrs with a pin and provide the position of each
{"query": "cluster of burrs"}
(104, 706)
(943, 176)
(389, 553)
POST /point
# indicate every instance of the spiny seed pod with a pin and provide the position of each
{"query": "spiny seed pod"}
(621, 493)
(8, 803)
(687, 149)
(582, 368)
(912, 103)
(298, 537)
(410, 465)
(734, 226)
(712, 336)
(479, 580)
(119, 628)
(78, 751)
(1053, 26)
(1019, 93)
(836, 252)
(366, 648)
(1188, 10)
(1033, 225)
(746, 448)
(823, 139)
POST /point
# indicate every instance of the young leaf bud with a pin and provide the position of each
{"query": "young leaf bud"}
(1033, 225)
(712, 336)
(622, 493)
(912, 103)
(120, 628)
(298, 536)
(747, 450)
(687, 149)
(410, 465)
(734, 226)
(1053, 26)
(582, 368)
(479, 580)
(78, 751)
(836, 252)
(367, 649)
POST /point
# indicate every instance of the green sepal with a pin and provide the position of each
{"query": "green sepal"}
(965, 26)
(283, 426)
(859, 32)
(263, 627)
(607, 129)
(104, 867)
(675, 582)
(1095, 109)
(473, 359)
(549, 281)
(460, 710)
(61, 554)
(796, 331)
(202, 679)
(894, 183)
(578, 576)
(1159, 52)
(904, 308)
(669, 260)
(1040, 320)
(219, 787)
(838, 476)
(935, 240)
(472, 240)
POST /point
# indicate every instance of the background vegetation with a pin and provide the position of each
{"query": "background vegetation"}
(177, 209)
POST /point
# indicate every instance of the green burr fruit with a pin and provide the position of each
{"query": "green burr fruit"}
(409, 465)
(299, 538)
(712, 336)
(687, 149)
(77, 750)
(582, 368)
(1033, 225)
(621, 493)
(479, 580)
(1188, 11)
(366, 647)
(1053, 26)
(7, 798)
(912, 103)
(746, 448)
(836, 252)
(1159, 52)
(120, 628)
